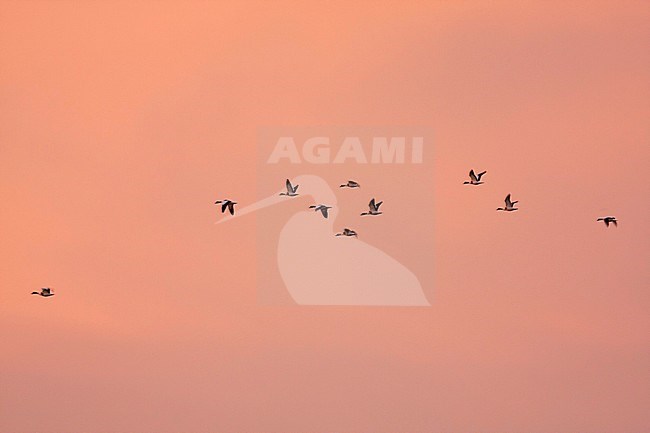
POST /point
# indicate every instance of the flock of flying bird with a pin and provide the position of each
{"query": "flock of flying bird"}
(292, 191)
(373, 210)
(373, 207)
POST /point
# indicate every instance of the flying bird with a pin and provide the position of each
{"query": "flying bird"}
(373, 208)
(347, 232)
(227, 204)
(350, 184)
(45, 292)
(291, 190)
(609, 219)
(474, 179)
(510, 205)
(322, 208)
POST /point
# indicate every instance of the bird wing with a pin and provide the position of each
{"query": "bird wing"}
(378, 204)
(324, 211)
(472, 176)
(615, 223)
(372, 205)
(288, 185)
(295, 188)
(46, 290)
(231, 208)
(224, 205)
(508, 202)
(480, 174)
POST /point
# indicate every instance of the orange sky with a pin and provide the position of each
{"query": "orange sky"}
(122, 123)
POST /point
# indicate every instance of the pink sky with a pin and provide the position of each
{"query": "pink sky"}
(122, 123)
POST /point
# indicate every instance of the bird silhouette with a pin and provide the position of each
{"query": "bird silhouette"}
(510, 205)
